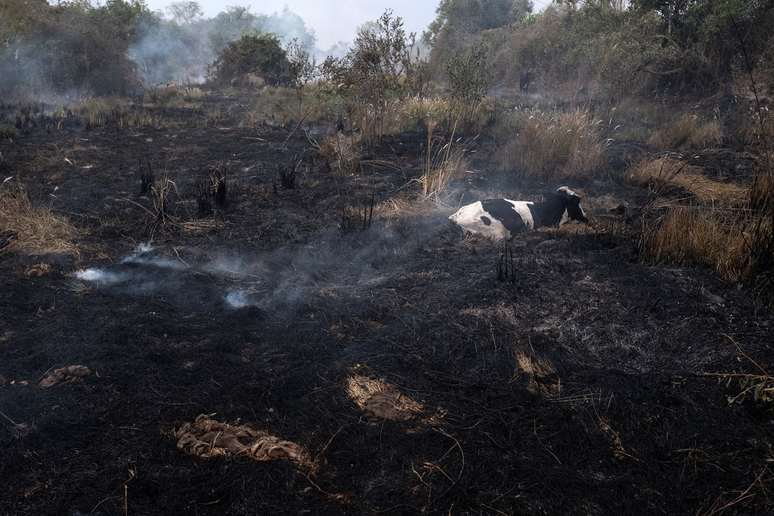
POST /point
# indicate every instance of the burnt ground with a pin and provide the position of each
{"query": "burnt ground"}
(576, 388)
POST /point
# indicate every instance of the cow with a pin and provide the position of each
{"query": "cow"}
(502, 219)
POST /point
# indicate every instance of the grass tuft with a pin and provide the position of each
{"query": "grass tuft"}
(32, 229)
(687, 131)
(556, 147)
(667, 172)
(444, 162)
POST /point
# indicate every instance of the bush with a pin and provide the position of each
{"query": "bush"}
(259, 54)
(73, 46)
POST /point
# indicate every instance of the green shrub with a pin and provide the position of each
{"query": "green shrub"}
(8, 132)
(259, 54)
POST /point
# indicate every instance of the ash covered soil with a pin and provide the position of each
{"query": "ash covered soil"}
(262, 360)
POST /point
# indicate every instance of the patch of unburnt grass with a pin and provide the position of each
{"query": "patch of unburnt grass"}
(687, 130)
(444, 162)
(556, 146)
(34, 229)
(736, 242)
(671, 172)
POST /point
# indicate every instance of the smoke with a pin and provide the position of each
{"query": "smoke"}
(331, 266)
(179, 51)
(100, 276)
(170, 55)
(236, 299)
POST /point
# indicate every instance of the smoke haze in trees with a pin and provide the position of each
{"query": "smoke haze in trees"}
(179, 47)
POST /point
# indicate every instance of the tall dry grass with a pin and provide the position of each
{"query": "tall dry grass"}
(558, 146)
(685, 131)
(445, 161)
(669, 172)
(738, 242)
(30, 228)
(698, 235)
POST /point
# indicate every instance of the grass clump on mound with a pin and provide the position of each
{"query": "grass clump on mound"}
(30, 228)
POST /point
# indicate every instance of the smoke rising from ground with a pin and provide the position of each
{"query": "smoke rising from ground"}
(332, 266)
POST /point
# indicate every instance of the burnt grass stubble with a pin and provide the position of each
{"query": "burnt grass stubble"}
(621, 424)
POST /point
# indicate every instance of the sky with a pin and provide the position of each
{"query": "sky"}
(334, 20)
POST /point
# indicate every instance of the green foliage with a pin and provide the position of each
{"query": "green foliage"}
(473, 17)
(470, 75)
(607, 49)
(71, 46)
(707, 36)
(258, 53)
(184, 12)
(379, 66)
(301, 65)
(21, 17)
(8, 132)
(232, 24)
(460, 24)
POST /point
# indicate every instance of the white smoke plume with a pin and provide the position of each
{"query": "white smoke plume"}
(330, 266)
(180, 50)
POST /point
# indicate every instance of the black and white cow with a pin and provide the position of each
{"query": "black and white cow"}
(501, 219)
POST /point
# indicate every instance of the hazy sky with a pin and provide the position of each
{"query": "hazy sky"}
(334, 20)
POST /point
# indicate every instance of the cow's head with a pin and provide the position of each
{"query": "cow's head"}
(574, 210)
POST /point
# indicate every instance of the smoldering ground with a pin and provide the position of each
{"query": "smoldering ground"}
(576, 388)
(330, 265)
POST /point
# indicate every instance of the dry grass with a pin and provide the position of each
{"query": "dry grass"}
(540, 373)
(698, 235)
(686, 131)
(753, 129)
(407, 205)
(444, 162)
(668, 172)
(381, 399)
(733, 231)
(421, 112)
(340, 151)
(736, 243)
(32, 229)
(176, 95)
(555, 147)
(314, 104)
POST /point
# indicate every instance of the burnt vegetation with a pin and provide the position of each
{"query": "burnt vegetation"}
(279, 320)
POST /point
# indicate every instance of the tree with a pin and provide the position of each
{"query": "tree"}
(708, 35)
(73, 46)
(185, 12)
(258, 53)
(470, 75)
(379, 65)
(232, 24)
(468, 17)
